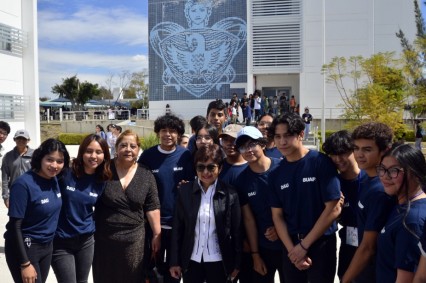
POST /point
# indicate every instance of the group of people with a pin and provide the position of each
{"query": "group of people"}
(236, 204)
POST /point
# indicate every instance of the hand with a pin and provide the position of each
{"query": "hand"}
(304, 264)
(234, 274)
(6, 202)
(175, 272)
(258, 265)
(297, 254)
(29, 274)
(271, 234)
(182, 182)
(156, 243)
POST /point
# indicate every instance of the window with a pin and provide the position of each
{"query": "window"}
(11, 40)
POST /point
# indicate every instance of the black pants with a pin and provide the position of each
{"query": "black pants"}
(72, 258)
(346, 253)
(323, 269)
(274, 262)
(40, 256)
(209, 272)
(162, 262)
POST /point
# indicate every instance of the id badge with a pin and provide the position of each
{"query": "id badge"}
(352, 236)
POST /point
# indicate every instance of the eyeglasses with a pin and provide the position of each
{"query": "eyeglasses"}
(248, 147)
(202, 167)
(206, 138)
(391, 172)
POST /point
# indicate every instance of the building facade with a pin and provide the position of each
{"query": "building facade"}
(207, 49)
(19, 89)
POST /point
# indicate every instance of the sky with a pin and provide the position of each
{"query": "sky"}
(91, 39)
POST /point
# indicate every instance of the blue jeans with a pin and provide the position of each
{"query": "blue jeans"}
(39, 255)
(72, 258)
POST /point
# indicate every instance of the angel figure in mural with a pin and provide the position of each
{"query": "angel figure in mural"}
(199, 58)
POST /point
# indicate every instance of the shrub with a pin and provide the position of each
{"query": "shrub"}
(150, 141)
(71, 138)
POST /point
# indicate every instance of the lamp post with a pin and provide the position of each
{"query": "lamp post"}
(324, 75)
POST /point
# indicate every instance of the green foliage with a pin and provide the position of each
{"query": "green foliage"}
(71, 138)
(377, 89)
(150, 141)
(78, 93)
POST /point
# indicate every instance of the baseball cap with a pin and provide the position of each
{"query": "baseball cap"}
(231, 130)
(248, 131)
(22, 133)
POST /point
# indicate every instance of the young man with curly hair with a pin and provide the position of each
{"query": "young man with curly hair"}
(170, 164)
(371, 141)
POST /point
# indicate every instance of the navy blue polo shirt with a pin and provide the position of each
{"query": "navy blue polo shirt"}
(253, 189)
(301, 188)
(79, 196)
(397, 247)
(168, 169)
(374, 206)
(350, 190)
(230, 173)
(273, 153)
(38, 202)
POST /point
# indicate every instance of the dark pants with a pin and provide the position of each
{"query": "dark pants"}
(164, 257)
(209, 272)
(72, 258)
(246, 269)
(323, 269)
(346, 253)
(368, 274)
(274, 262)
(39, 255)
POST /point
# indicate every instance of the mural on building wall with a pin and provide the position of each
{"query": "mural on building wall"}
(198, 59)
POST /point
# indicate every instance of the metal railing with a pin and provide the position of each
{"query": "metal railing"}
(59, 115)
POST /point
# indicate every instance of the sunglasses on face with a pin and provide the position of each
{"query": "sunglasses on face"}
(209, 167)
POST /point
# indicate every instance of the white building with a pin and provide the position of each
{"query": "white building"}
(285, 47)
(19, 89)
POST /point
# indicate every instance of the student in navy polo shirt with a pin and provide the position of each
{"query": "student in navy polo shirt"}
(263, 125)
(234, 163)
(371, 141)
(216, 114)
(195, 123)
(206, 134)
(339, 146)
(403, 174)
(305, 204)
(73, 246)
(253, 189)
(34, 206)
(170, 164)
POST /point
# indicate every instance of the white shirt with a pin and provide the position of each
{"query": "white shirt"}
(257, 102)
(206, 243)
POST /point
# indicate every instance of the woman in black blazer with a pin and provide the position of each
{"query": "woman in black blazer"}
(206, 243)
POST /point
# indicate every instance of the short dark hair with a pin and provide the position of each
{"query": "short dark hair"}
(210, 151)
(47, 147)
(171, 122)
(216, 104)
(5, 126)
(338, 143)
(379, 132)
(295, 124)
(103, 171)
(197, 122)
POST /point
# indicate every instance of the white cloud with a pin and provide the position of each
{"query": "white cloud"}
(96, 24)
(93, 67)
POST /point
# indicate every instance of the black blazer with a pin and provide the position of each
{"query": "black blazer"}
(227, 214)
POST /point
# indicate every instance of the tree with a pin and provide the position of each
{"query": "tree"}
(377, 91)
(78, 93)
(414, 59)
(44, 98)
(68, 89)
(140, 89)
